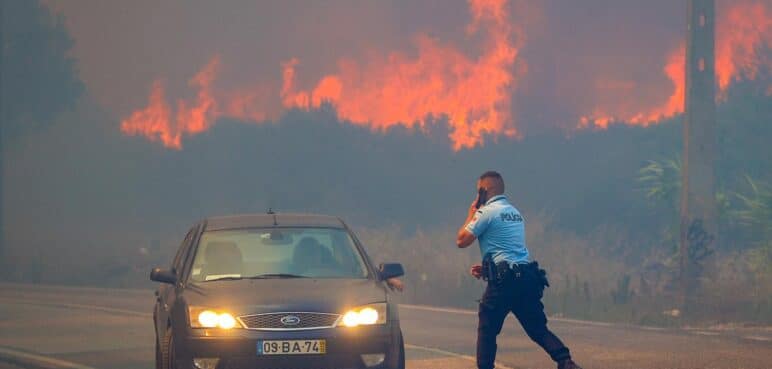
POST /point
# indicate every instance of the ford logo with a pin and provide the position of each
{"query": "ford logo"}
(290, 320)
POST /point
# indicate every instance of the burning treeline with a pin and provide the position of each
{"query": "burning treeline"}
(472, 93)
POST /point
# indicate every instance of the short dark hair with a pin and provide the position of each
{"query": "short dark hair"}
(491, 174)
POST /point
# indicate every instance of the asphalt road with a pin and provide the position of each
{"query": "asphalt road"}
(76, 328)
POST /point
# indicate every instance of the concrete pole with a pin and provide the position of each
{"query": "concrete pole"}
(698, 219)
(3, 252)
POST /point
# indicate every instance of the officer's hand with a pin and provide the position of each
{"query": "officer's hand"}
(476, 271)
(473, 206)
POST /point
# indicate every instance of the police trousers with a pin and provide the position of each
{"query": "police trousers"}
(519, 294)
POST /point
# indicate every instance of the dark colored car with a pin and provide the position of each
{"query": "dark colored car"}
(275, 291)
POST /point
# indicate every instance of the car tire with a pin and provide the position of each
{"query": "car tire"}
(167, 351)
(158, 356)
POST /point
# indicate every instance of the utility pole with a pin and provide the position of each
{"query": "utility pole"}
(3, 252)
(698, 202)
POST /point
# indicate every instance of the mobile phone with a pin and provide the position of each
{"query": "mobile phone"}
(481, 197)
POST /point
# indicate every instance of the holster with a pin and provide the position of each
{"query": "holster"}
(541, 274)
(504, 271)
(489, 269)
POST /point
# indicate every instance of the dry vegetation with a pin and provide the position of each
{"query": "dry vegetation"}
(588, 280)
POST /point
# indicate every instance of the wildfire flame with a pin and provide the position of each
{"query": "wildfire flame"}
(472, 93)
(743, 36)
(156, 121)
(674, 70)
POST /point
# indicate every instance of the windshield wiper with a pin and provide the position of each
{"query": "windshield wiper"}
(276, 275)
(231, 278)
(260, 276)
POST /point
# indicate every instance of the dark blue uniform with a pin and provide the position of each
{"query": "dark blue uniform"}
(519, 287)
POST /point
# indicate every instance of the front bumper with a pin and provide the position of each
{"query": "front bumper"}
(237, 348)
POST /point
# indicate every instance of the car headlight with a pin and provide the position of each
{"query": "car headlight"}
(364, 315)
(211, 318)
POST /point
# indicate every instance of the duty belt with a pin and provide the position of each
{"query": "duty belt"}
(500, 271)
(504, 269)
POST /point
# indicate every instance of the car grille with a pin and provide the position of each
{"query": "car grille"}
(273, 321)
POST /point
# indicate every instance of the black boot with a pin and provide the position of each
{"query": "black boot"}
(568, 364)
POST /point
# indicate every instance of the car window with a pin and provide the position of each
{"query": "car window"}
(185, 262)
(276, 252)
(179, 259)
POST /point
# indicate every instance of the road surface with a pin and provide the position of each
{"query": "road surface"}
(66, 327)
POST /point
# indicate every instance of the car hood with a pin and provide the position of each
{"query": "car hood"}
(252, 296)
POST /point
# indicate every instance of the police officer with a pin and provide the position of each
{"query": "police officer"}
(515, 282)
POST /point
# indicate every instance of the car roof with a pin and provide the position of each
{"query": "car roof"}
(272, 220)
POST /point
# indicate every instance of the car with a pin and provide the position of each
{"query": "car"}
(274, 291)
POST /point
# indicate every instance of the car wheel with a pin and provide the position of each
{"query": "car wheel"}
(167, 351)
(158, 356)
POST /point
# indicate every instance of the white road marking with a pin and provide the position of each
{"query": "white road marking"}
(758, 338)
(653, 328)
(439, 309)
(77, 306)
(449, 353)
(25, 358)
(472, 312)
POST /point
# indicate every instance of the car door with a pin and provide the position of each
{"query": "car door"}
(166, 294)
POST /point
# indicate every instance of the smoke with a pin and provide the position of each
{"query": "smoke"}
(743, 45)
(377, 158)
(39, 76)
(602, 116)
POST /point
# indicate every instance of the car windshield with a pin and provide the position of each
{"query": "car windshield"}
(277, 253)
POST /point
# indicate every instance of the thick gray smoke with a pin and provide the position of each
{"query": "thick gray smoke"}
(76, 186)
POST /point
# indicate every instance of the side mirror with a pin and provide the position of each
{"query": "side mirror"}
(163, 276)
(391, 270)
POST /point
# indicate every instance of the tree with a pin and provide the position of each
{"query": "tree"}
(661, 181)
(756, 211)
(38, 77)
(756, 214)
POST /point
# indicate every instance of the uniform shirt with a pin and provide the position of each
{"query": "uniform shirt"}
(500, 230)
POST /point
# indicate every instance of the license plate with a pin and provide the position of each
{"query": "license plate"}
(291, 347)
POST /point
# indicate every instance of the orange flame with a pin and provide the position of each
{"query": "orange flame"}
(743, 35)
(155, 121)
(674, 70)
(441, 82)
(473, 94)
